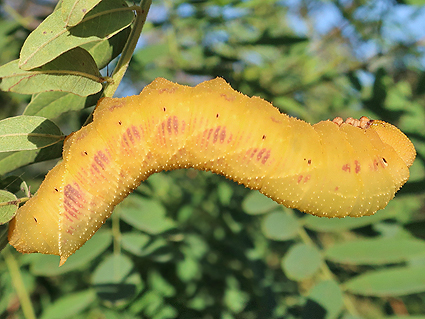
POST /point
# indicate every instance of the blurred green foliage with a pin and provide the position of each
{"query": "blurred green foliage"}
(189, 244)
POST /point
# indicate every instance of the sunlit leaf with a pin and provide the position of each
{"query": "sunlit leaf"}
(52, 38)
(342, 224)
(28, 133)
(47, 265)
(70, 305)
(256, 203)
(104, 51)
(325, 301)
(114, 281)
(376, 251)
(74, 71)
(388, 282)
(8, 206)
(73, 11)
(280, 225)
(52, 104)
(301, 262)
(145, 214)
(10, 161)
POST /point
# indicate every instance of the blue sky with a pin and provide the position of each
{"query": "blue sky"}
(401, 24)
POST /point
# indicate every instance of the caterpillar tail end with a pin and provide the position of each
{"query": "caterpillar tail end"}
(32, 231)
(62, 260)
(22, 243)
(15, 238)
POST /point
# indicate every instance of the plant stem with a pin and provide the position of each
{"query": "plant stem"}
(327, 274)
(116, 233)
(15, 202)
(18, 283)
(123, 62)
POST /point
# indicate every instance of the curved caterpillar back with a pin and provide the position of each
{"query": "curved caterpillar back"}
(331, 169)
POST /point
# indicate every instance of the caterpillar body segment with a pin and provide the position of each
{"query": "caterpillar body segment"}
(332, 169)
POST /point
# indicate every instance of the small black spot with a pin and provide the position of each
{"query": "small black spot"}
(384, 160)
(309, 161)
(264, 137)
(35, 219)
(119, 122)
(164, 109)
(56, 189)
(86, 153)
(217, 115)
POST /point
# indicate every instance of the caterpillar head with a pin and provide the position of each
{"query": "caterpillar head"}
(391, 135)
(388, 133)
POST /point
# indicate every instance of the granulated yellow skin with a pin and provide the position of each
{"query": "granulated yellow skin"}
(332, 169)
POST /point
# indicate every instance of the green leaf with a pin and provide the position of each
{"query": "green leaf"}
(388, 282)
(8, 206)
(415, 2)
(225, 193)
(10, 161)
(290, 105)
(115, 313)
(24, 132)
(135, 243)
(146, 215)
(376, 251)
(75, 71)
(48, 265)
(342, 224)
(151, 303)
(70, 305)
(3, 238)
(52, 38)
(280, 225)
(113, 279)
(104, 51)
(188, 269)
(73, 11)
(196, 245)
(270, 39)
(420, 86)
(256, 203)
(354, 80)
(156, 248)
(160, 285)
(113, 270)
(301, 262)
(151, 53)
(235, 299)
(325, 298)
(11, 183)
(52, 104)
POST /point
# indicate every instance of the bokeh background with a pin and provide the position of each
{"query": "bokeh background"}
(189, 244)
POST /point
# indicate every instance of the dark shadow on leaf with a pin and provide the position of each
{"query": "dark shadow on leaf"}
(268, 39)
(412, 188)
(50, 152)
(376, 102)
(313, 310)
(115, 292)
(45, 135)
(11, 183)
(3, 236)
(14, 160)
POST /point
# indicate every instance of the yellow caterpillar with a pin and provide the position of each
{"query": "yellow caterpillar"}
(331, 169)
